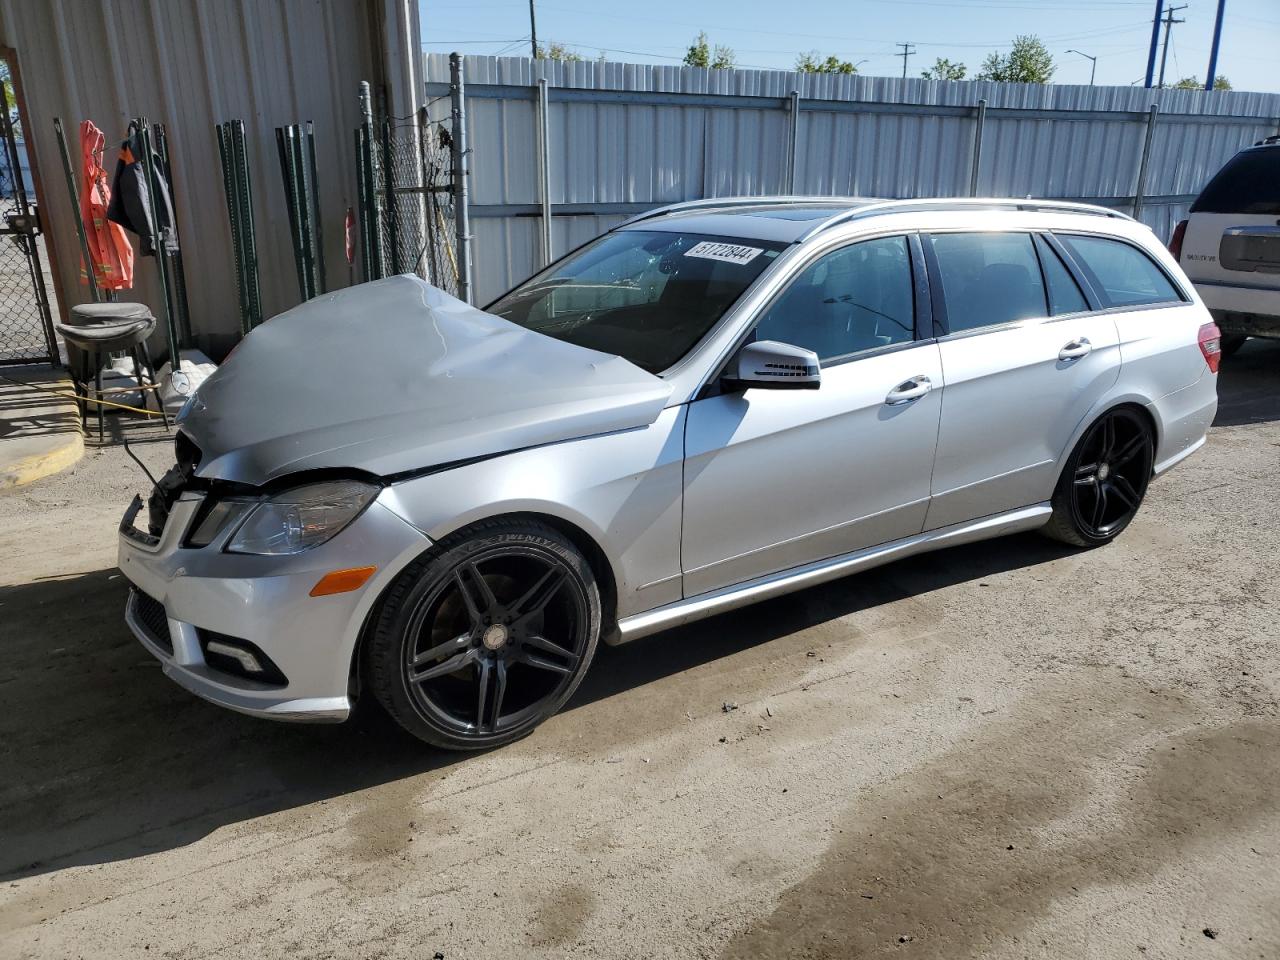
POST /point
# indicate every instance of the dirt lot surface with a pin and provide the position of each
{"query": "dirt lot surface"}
(1003, 750)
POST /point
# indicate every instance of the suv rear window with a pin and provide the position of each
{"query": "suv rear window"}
(1125, 275)
(1249, 183)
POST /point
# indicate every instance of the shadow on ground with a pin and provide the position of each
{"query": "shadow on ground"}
(27, 412)
(102, 758)
(1249, 385)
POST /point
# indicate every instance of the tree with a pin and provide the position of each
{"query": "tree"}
(944, 69)
(813, 62)
(1193, 83)
(558, 51)
(10, 101)
(1028, 62)
(702, 55)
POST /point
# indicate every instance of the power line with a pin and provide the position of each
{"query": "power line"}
(907, 50)
(458, 43)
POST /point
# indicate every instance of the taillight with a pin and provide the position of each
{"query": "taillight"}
(1210, 340)
(1175, 242)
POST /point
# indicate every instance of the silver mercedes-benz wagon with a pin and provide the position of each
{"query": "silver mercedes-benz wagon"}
(388, 492)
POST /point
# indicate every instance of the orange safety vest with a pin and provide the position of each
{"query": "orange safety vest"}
(109, 247)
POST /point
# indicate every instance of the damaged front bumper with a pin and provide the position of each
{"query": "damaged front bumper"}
(243, 631)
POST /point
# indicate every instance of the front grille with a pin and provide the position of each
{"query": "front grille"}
(154, 621)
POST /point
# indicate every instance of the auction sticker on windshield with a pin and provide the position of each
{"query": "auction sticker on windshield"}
(728, 252)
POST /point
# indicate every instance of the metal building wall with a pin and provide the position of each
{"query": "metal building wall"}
(192, 64)
(619, 146)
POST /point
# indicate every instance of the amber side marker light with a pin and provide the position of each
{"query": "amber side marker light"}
(342, 581)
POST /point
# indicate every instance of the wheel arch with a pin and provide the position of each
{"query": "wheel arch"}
(1108, 405)
(597, 559)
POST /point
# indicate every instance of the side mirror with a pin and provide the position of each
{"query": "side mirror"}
(770, 365)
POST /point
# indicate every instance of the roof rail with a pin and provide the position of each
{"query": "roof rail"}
(713, 202)
(960, 203)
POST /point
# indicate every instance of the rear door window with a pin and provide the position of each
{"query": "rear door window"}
(988, 279)
(1249, 183)
(1124, 274)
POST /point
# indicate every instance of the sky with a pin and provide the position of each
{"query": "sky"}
(771, 34)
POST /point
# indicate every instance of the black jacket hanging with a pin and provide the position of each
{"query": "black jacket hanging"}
(130, 206)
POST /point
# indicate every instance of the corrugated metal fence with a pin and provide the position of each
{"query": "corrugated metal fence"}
(626, 137)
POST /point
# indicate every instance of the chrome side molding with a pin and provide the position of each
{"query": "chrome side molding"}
(797, 578)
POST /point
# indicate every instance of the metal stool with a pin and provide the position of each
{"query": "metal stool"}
(97, 330)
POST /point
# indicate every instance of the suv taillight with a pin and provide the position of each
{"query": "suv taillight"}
(1210, 339)
(1175, 242)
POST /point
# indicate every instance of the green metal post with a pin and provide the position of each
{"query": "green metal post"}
(240, 158)
(74, 194)
(288, 174)
(362, 200)
(170, 326)
(175, 259)
(389, 192)
(375, 220)
(229, 188)
(306, 235)
(317, 228)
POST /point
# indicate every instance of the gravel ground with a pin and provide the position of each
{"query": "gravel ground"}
(1003, 750)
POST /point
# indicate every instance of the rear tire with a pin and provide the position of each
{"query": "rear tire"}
(1104, 480)
(486, 636)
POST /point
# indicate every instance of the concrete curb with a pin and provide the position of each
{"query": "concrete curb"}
(45, 438)
(31, 467)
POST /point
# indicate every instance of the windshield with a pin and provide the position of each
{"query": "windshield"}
(645, 296)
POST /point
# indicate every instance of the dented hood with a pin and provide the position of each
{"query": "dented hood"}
(395, 376)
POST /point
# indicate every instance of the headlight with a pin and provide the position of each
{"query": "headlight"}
(301, 518)
(216, 519)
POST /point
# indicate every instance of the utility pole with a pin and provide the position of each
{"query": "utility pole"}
(907, 50)
(1213, 51)
(1093, 69)
(533, 31)
(1155, 42)
(1169, 21)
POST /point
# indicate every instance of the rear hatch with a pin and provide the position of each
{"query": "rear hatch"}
(1233, 235)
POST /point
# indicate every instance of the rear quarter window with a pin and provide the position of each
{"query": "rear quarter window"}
(1120, 271)
(1249, 183)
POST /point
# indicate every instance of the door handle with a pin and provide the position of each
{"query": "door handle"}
(909, 390)
(1076, 349)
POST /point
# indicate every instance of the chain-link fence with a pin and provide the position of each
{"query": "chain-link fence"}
(413, 202)
(26, 330)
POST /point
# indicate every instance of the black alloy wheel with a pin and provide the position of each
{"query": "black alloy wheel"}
(1105, 480)
(486, 637)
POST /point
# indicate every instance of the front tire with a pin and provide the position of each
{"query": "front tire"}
(486, 636)
(1104, 481)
